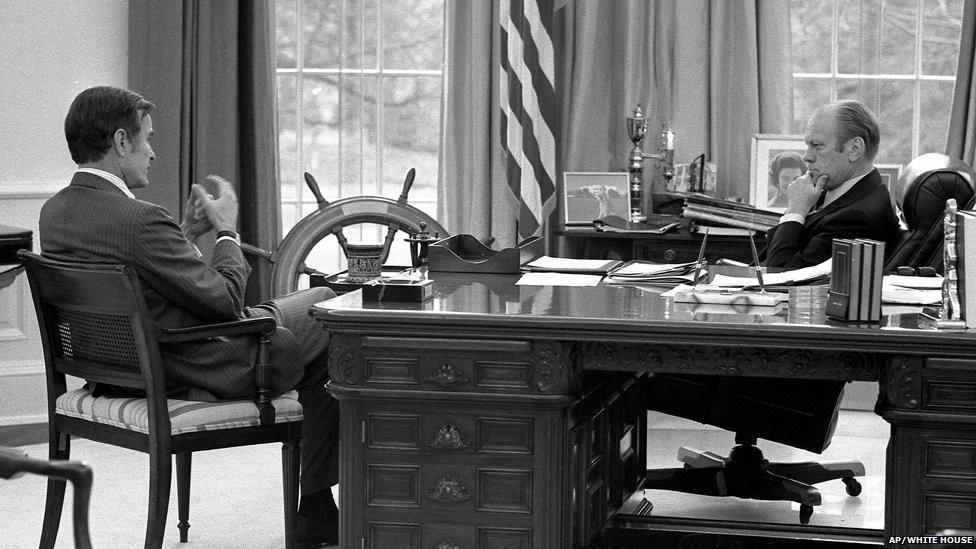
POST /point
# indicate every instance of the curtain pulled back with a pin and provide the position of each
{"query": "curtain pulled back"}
(719, 72)
(962, 119)
(209, 69)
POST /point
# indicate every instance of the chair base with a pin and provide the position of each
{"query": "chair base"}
(746, 474)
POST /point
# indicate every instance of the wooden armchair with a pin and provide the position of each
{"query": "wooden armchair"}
(14, 463)
(94, 325)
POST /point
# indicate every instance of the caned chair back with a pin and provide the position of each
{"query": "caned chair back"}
(94, 325)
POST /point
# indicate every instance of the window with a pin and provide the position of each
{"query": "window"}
(898, 56)
(359, 102)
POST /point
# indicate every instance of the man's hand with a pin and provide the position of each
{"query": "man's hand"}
(803, 193)
(195, 223)
(218, 202)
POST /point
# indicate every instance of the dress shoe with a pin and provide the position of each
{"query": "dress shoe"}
(317, 524)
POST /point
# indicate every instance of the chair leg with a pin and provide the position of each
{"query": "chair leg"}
(160, 473)
(59, 447)
(291, 458)
(183, 466)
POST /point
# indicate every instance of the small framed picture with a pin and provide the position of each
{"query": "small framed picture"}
(890, 174)
(588, 196)
(776, 161)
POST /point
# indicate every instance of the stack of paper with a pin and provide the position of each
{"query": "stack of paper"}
(565, 265)
(645, 272)
(816, 274)
(911, 290)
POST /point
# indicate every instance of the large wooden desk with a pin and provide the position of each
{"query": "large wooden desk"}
(493, 416)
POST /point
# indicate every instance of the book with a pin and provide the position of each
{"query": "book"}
(966, 265)
(839, 293)
(712, 218)
(867, 282)
(646, 272)
(877, 278)
(854, 276)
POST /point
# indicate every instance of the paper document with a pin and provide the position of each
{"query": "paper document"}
(919, 282)
(567, 265)
(558, 279)
(785, 278)
(909, 296)
(724, 296)
(645, 272)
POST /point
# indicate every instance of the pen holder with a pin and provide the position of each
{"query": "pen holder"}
(365, 261)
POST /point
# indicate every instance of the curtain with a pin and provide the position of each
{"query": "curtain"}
(718, 72)
(962, 119)
(209, 69)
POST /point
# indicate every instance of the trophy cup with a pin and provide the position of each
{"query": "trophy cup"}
(950, 316)
(664, 158)
(636, 128)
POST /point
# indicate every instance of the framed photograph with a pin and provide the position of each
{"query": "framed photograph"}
(591, 195)
(890, 174)
(681, 183)
(776, 161)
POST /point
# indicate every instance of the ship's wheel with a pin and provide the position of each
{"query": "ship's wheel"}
(288, 261)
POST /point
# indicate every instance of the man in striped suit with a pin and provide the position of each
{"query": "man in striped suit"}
(96, 218)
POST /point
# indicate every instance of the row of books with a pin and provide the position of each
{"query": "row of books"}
(857, 268)
(713, 211)
(966, 265)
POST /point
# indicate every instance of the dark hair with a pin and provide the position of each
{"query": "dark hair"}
(785, 160)
(854, 119)
(96, 114)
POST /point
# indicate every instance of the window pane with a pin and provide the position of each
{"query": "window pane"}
(360, 24)
(321, 32)
(857, 37)
(808, 95)
(360, 154)
(410, 133)
(898, 35)
(895, 118)
(942, 25)
(934, 124)
(811, 37)
(288, 168)
(320, 127)
(286, 20)
(413, 34)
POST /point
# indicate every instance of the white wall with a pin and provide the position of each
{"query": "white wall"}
(49, 51)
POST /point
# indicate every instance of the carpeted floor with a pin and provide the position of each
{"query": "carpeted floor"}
(235, 500)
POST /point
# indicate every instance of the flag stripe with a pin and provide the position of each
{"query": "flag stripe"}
(528, 108)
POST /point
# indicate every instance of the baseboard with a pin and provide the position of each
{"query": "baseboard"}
(6, 421)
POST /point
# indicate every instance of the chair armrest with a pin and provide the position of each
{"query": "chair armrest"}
(260, 325)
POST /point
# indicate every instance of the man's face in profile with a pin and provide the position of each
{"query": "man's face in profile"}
(822, 156)
(139, 154)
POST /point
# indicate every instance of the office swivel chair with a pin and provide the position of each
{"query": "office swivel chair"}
(800, 413)
(926, 183)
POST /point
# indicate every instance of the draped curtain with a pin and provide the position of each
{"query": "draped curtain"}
(962, 119)
(209, 69)
(719, 72)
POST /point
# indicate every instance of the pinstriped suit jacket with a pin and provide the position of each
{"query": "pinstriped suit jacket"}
(91, 220)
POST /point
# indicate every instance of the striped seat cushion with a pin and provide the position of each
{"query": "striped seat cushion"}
(186, 416)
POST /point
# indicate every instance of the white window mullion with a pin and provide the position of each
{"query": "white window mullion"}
(917, 88)
(298, 200)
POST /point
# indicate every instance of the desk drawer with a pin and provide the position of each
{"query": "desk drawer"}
(456, 433)
(947, 386)
(450, 488)
(382, 534)
(432, 364)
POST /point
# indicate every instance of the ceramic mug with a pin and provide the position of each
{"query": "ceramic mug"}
(365, 262)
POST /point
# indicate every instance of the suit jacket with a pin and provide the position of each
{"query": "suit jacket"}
(92, 220)
(864, 211)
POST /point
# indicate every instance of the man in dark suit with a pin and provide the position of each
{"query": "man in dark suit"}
(841, 194)
(96, 218)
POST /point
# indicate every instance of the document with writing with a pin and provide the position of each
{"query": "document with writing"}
(794, 277)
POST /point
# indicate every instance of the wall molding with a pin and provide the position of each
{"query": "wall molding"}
(23, 420)
(31, 189)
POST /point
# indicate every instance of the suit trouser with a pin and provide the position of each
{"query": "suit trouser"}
(320, 427)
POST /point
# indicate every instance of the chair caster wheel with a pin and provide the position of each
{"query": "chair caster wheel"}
(806, 511)
(853, 486)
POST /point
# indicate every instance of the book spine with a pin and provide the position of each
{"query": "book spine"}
(855, 277)
(966, 265)
(840, 281)
(878, 278)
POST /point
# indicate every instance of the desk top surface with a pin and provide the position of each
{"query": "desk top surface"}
(494, 306)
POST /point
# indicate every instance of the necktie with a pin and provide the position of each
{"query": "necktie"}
(820, 201)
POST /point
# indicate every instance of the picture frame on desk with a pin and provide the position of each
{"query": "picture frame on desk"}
(587, 196)
(681, 182)
(890, 176)
(777, 159)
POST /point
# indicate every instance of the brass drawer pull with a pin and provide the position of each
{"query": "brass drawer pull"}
(449, 437)
(448, 490)
(446, 375)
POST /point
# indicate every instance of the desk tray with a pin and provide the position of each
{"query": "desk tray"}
(340, 284)
(463, 253)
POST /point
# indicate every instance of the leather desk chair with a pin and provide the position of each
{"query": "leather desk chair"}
(926, 183)
(94, 325)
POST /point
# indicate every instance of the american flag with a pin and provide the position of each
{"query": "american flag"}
(528, 109)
